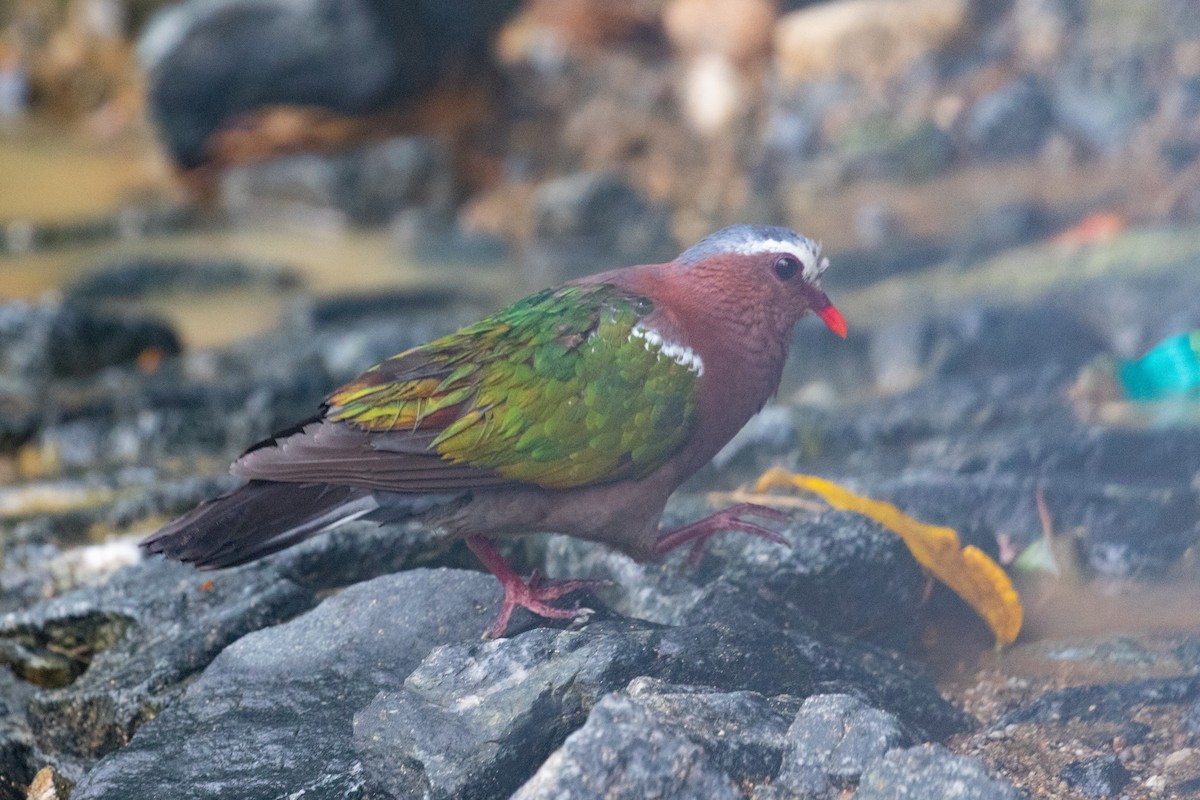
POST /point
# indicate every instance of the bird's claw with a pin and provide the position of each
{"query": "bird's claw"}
(698, 533)
(536, 595)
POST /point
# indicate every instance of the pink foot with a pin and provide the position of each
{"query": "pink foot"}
(730, 519)
(533, 594)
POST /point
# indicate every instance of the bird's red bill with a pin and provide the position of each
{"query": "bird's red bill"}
(833, 319)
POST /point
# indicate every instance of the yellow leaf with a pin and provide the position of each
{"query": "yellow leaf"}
(968, 571)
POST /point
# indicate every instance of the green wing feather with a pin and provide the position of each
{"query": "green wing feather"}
(556, 390)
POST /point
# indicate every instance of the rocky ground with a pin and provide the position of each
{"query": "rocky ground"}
(1007, 191)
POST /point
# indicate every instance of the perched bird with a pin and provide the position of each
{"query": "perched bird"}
(577, 410)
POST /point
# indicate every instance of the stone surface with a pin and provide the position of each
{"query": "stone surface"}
(591, 221)
(475, 720)
(210, 60)
(369, 184)
(151, 276)
(624, 751)
(833, 740)
(1109, 701)
(131, 642)
(742, 733)
(53, 339)
(17, 761)
(1012, 121)
(875, 39)
(1101, 776)
(841, 570)
(932, 771)
(272, 714)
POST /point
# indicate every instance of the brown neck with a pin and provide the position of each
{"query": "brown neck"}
(742, 353)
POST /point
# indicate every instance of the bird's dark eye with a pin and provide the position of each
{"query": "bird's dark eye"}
(787, 267)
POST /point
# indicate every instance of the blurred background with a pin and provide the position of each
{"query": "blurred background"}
(214, 211)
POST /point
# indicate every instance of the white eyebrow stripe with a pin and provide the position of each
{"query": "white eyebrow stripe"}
(812, 263)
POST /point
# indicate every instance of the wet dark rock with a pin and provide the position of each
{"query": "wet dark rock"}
(142, 277)
(475, 719)
(932, 771)
(20, 236)
(997, 340)
(274, 709)
(1128, 530)
(882, 149)
(60, 340)
(743, 733)
(121, 652)
(655, 760)
(17, 762)
(370, 184)
(832, 740)
(1106, 701)
(427, 237)
(1191, 718)
(1010, 122)
(589, 221)
(1101, 100)
(1009, 225)
(860, 266)
(1101, 776)
(130, 644)
(349, 309)
(842, 571)
(211, 61)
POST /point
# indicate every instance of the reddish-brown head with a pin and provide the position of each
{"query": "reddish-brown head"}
(770, 272)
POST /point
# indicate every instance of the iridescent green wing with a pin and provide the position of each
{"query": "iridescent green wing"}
(562, 389)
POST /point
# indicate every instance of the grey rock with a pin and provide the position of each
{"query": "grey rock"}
(132, 642)
(1009, 225)
(424, 236)
(271, 716)
(625, 751)
(1104, 701)
(1101, 776)
(17, 762)
(210, 60)
(1103, 100)
(1191, 718)
(474, 720)
(833, 740)
(1010, 122)
(841, 570)
(63, 340)
(932, 771)
(993, 340)
(591, 221)
(369, 184)
(139, 277)
(882, 149)
(743, 733)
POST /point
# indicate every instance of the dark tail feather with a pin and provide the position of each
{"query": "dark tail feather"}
(257, 519)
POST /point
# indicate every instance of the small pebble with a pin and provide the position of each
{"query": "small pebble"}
(1178, 757)
(1156, 783)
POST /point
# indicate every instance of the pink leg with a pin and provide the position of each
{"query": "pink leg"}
(729, 519)
(532, 594)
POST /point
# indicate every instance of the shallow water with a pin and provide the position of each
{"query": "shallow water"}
(50, 177)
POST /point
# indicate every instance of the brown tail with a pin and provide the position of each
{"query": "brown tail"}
(256, 519)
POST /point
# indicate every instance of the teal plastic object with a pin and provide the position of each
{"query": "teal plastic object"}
(1171, 369)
